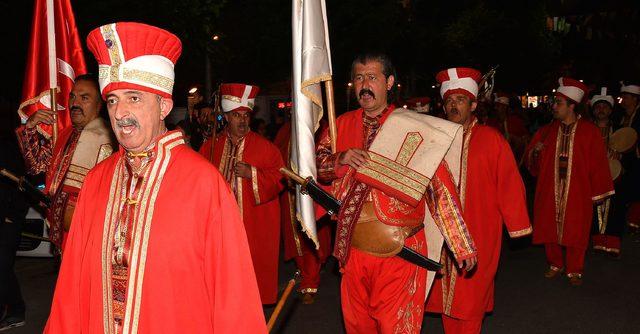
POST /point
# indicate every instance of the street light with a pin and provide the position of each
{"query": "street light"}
(193, 90)
(349, 84)
(215, 37)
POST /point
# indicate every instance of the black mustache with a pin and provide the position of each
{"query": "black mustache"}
(74, 108)
(366, 91)
(127, 122)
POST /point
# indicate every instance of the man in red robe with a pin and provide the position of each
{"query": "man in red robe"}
(381, 292)
(609, 214)
(157, 243)
(629, 196)
(297, 245)
(491, 193)
(250, 164)
(77, 149)
(570, 160)
(509, 124)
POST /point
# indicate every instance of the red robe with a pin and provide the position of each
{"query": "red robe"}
(190, 268)
(295, 242)
(566, 220)
(492, 193)
(258, 200)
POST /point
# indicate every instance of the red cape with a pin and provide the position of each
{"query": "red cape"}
(589, 181)
(493, 194)
(260, 206)
(198, 276)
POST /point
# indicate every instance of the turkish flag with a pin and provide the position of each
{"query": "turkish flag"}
(66, 59)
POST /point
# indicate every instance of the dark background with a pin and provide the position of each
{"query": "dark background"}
(601, 46)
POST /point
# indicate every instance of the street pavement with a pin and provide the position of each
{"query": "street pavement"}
(526, 302)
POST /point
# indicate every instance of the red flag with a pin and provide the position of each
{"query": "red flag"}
(65, 52)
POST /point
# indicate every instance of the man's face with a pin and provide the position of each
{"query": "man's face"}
(137, 117)
(238, 122)
(458, 108)
(562, 109)
(602, 110)
(84, 103)
(371, 86)
(629, 102)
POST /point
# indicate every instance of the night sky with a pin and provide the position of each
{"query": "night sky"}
(422, 37)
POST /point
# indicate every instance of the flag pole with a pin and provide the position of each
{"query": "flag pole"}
(217, 110)
(53, 67)
(331, 114)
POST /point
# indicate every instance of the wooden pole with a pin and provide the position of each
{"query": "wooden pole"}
(280, 305)
(54, 108)
(216, 111)
(53, 67)
(295, 177)
(331, 114)
(9, 175)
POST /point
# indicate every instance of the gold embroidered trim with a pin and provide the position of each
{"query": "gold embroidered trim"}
(239, 179)
(403, 172)
(308, 92)
(147, 228)
(148, 77)
(605, 195)
(384, 218)
(144, 215)
(409, 148)
(562, 198)
(293, 220)
(111, 72)
(254, 184)
(309, 290)
(73, 179)
(225, 158)
(607, 249)
(464, 159)
(113, 205)
(79, 170)
(232, 98)
(521, 233)
(448, 290)
(105, 151)
(602, 212)
(402, 187)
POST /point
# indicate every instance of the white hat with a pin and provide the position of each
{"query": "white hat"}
(602, 97)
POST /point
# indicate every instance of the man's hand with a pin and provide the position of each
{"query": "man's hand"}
(243, 169)
(40, 116)
(353, 157)
(468, 264)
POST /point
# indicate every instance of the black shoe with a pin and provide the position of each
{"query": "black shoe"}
(11, 322)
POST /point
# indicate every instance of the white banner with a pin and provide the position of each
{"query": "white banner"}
(311, 66)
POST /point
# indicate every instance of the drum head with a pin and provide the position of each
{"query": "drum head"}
(623, 139)
(615, 167)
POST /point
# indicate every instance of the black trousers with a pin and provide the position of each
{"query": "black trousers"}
(10, 294)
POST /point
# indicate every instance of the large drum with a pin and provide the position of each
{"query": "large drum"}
(623, 140)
